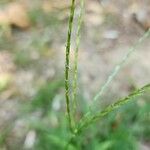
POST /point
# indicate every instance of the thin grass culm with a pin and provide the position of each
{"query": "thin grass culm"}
(91, 117)
(85, 123)
(75, 67)
(67, 87)
(117, 69)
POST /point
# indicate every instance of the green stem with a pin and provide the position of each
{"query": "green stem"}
(119, 66)
(72, 9)
(75, 69)
(115, 71)
(85, 122)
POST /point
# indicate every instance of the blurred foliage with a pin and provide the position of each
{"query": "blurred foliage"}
(45, 95)
(22, 59)
(123, 128)
(37, 16)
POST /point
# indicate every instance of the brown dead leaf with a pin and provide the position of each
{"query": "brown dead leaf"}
(17, 15)
(14, 14)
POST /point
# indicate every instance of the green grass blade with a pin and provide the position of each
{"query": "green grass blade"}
(119, 67)
(70, 26)
(85, 122)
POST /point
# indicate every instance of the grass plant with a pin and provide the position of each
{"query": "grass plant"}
(86, 127)
(89, 118)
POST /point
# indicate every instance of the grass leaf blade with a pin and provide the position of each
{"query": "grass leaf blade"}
(85, 122)
(119, 66)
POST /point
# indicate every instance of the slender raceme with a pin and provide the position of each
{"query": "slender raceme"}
(88, 121)
(114, 73)
(75, 68)
(118, 67)
(85, 122)
(72, 9)
(90, 117)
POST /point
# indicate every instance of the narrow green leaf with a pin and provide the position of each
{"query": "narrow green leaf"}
(119, 67)
(85, 122)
